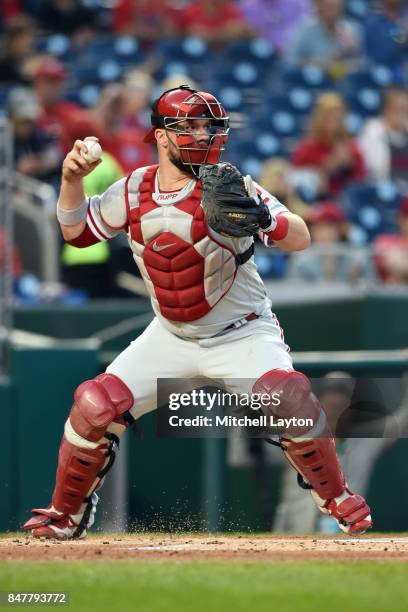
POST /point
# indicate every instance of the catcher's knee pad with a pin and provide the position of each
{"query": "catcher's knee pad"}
(87, 449)
(98, 403)
(291, 395)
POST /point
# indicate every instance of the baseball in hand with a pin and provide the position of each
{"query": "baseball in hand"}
(93, 151)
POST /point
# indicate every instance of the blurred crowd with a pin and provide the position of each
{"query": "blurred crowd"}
(317, 91)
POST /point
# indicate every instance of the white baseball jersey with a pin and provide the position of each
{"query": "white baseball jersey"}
(196, 287)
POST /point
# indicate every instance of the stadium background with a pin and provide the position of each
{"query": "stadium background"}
(71, 69)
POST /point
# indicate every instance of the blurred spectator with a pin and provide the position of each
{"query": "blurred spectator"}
(327, 39)
(384, 140)
(275, 20)
(328, 149)
(330, 257)
(67, 16)
(275, 177)
(137, 92)
(215, 21)
(174, 80)
(147, 20)
(391, 251)
(386, 36)
(17, 46)
(9, 9)
(36, 154)
(58, 116)
(123, 142)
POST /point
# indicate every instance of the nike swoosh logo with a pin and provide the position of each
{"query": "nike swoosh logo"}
(158, 248)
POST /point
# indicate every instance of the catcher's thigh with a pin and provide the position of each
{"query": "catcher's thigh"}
(157, 353)
(243, 355)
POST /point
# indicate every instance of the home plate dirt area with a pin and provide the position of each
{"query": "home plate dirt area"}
(240, 547)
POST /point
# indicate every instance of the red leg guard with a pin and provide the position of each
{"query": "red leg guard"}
(79, 470)
(85, 456)
(97, 403)
(316, 460)
(314, 457)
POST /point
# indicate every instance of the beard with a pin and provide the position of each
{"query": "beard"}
(175, 158)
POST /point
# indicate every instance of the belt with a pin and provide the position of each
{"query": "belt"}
(241, 322)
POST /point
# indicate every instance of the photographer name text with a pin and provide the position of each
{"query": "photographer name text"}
(242, 421)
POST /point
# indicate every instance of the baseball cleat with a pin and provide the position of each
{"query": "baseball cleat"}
(351, 512)
(50, 523)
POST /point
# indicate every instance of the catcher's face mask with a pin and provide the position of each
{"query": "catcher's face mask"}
(188, 113)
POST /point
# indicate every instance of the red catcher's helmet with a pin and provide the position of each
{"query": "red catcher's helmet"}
(170, 112)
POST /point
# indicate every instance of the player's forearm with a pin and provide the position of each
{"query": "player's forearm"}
(297, 237)
(72, 207)
(72, 194)
(71, 197)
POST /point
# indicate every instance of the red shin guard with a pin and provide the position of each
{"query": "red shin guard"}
(316, 460)
(313, 457)
(80, 470)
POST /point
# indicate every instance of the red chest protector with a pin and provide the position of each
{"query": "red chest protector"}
(186, 271)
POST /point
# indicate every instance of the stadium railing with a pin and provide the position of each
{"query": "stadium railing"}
(36, 228)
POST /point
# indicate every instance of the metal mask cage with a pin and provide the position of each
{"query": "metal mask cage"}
(218, 127)
(195, 107)
(217, 137)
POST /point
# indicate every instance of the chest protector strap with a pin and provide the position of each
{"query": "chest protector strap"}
(242, 258)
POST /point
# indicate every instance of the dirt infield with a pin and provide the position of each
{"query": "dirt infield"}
(190, 547)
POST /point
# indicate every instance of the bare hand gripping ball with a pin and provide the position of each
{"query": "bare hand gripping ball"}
(93, 152)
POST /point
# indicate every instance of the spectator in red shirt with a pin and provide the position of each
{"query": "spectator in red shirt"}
(58, 115)
(147, 20)
(328, 149)
(123, 142)
(215, 20)
(391, 251)
(9, 10)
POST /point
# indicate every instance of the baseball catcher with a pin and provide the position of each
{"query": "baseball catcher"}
(190, 222)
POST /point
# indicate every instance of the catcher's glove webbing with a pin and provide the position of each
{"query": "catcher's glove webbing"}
(230, 202)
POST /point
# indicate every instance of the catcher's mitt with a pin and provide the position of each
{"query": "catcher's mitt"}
(230, 202)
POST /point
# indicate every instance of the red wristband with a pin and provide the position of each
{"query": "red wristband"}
(281, 230)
